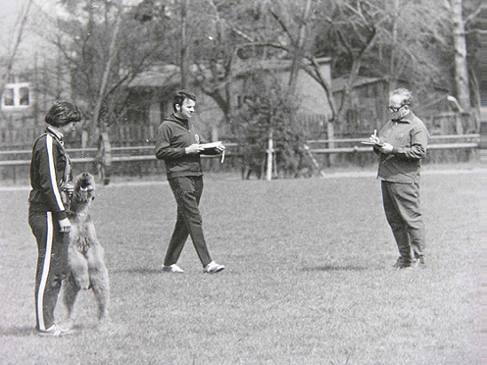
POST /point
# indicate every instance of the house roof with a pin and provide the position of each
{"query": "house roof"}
(163, 75)
(245, 67)
(338, 84)
(157, 76)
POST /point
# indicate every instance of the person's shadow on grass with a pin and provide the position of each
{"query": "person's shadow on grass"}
(337, 268)
(17, 331)
(137, 270)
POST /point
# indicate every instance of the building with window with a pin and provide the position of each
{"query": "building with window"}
(16, 96)
(151, 95)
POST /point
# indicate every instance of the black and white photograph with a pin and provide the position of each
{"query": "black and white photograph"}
(193, 182)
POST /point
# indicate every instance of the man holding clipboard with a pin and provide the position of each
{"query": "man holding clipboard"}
(401, 145)
(179, 146)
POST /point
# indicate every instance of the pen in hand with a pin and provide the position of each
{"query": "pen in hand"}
(374, 138)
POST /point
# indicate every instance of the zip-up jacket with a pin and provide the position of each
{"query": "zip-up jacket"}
(409, 139)
(174, 135)
(47, 173)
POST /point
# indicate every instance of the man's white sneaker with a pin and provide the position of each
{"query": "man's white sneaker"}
(172, 268)
(54, 331)
(213, 268)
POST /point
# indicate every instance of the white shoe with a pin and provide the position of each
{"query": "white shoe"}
(172, 268)
(213, 268)
(54, 331)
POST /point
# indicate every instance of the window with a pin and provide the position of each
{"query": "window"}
(8, 97)
(16, 95)
(24, 96)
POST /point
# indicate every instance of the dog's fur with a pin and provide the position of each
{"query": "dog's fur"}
(86, 265)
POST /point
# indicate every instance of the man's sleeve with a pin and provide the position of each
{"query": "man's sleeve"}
(419, 144)
(47, 161)
(163, 149)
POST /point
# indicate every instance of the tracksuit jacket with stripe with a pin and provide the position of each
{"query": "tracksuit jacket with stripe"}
(47, 174)
(49, 169)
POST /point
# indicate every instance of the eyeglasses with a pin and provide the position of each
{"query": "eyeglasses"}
(395, 109)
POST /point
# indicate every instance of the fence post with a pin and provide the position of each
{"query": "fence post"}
(330, 132)
(458, 123)
(270, 151)
(84, 138)
(104, 158)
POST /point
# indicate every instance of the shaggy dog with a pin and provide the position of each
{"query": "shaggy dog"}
(86, 266)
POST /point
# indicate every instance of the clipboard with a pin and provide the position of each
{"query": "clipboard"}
(211, 145)
(211, 149)
(368, 143)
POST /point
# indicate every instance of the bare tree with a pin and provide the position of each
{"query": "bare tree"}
(12, 53)
(183, 59)
(106, 45)
(460, 51)
(106, 73)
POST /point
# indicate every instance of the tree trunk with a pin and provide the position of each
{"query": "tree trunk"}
(461, 68)
(17, 42)
(106, 73)
(392, 66)
(103, 150)
(183, 65)
(298, 50)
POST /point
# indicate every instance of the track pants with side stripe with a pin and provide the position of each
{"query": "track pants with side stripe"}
(52, 248)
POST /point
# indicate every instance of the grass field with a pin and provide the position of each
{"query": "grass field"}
(308, 278)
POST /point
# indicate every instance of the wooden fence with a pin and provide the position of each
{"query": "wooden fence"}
(15, 138)
(140, 160)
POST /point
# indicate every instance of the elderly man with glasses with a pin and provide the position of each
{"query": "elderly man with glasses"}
(401, 145)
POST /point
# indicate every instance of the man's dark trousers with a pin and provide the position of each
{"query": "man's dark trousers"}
(187, 191)
(403, 212)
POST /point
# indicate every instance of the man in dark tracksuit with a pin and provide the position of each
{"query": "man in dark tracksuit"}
(50, 178)
(401, 145)
(179, 147)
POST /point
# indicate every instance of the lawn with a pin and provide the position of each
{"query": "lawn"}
(308, 278)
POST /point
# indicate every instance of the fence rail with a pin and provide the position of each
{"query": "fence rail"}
(432, 138)
(139, 153)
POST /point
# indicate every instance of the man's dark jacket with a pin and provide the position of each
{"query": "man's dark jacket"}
(174, 135)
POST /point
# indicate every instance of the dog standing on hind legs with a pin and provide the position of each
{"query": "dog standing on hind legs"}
(86, 265)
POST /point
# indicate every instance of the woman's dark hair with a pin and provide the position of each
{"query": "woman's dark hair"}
(62, 113)
(179, 98)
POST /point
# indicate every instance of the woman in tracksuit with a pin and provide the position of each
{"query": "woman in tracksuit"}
(50, 175)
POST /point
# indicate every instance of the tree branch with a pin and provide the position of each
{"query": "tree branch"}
(18, 40)
(474, 15)
(283, 26)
